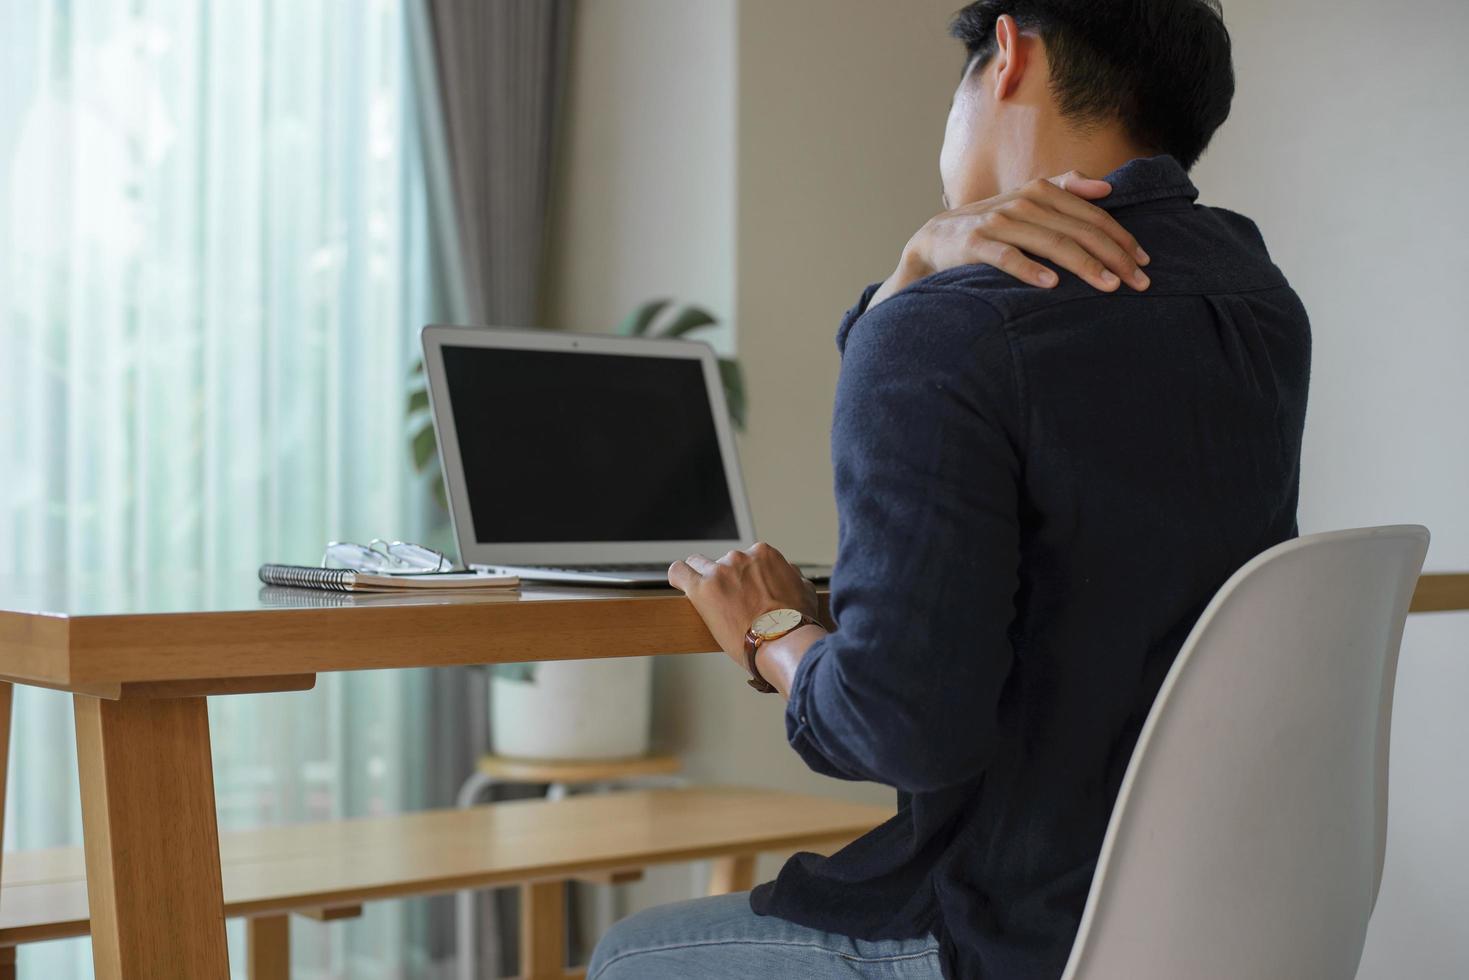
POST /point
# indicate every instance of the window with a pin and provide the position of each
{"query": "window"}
(213, 267)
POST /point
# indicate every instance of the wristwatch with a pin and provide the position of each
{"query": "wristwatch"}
(770, 626)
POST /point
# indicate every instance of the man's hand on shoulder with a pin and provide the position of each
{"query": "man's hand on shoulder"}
(1050, 219)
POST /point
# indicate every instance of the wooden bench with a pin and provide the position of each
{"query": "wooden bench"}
(328, 870)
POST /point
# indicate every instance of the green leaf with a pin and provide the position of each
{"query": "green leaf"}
(425, 448)
(692, 318)
(640, 319)
(417, 401)
(734, 390)
(441, 496)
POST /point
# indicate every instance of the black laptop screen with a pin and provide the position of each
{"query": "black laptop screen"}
(574, 446)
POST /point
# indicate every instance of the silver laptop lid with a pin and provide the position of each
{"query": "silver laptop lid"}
(573, 449)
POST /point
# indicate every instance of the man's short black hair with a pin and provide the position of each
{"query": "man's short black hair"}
(1161, 67)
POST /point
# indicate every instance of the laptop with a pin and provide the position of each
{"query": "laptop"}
(585, 459)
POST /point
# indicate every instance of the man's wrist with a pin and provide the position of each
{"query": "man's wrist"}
(911, 268)
(778, 659)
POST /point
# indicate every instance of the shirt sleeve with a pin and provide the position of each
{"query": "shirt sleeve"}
(905, 692)
(850, 318)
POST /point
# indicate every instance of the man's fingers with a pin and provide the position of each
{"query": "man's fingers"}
(732, 558)
(1061, 249)
(1078, 183)
(699, 564)
(1097, 242)
(761, 548)
(1013, 262)
(1067, 202)
(682, 576)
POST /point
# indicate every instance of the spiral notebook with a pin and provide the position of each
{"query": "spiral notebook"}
(347, 580)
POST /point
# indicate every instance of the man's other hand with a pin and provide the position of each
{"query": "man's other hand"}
(731, 593)
(1049, 219)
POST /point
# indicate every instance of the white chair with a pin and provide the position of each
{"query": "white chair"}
(1249, 833)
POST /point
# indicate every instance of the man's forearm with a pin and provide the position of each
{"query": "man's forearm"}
(777, 660)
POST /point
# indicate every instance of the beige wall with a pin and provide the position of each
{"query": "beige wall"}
(1345, 144)
(842, 107)
(644, 204)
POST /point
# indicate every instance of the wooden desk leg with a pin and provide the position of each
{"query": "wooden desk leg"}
(7, 963)
(732, 874)
(6, 691)
(152, 844)
(542, 930)
(268, 942)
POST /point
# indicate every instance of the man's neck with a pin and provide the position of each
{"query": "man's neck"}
(1096, 155)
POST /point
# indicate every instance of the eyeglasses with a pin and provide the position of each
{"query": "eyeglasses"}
(385, 557)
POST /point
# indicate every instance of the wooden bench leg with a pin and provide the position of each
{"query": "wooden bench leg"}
(268, 947)
(732, 874)
(543, 930)
(153, 879)
(7, 959)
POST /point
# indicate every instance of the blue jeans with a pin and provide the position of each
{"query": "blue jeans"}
(721, 939)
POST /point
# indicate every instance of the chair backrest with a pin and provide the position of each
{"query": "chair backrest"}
(1248, 836)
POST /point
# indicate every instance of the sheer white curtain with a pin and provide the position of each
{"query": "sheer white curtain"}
(214, 259)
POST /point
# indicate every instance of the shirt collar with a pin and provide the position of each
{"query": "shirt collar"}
(1148, 179)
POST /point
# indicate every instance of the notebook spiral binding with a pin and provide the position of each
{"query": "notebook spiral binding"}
(307, 577)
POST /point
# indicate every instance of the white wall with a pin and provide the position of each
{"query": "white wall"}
(1346, 145)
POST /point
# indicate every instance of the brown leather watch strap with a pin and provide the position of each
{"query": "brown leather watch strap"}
(752, 649)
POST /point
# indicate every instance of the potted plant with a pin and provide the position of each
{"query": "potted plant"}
(574, 709)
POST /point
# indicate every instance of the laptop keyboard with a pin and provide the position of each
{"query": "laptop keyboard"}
(819, 574)
(639, 567)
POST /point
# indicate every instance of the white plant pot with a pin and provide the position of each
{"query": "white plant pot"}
(574, 709)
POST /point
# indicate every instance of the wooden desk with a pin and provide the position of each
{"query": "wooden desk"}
(141, 656)
(1441, 592)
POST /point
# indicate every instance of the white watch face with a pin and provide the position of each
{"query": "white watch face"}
(775, 623)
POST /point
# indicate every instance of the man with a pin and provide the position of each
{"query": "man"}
(1040, 486)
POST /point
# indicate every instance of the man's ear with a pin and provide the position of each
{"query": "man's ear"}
(1009, 59)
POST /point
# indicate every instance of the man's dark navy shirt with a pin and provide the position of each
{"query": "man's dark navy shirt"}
(1039, 491)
